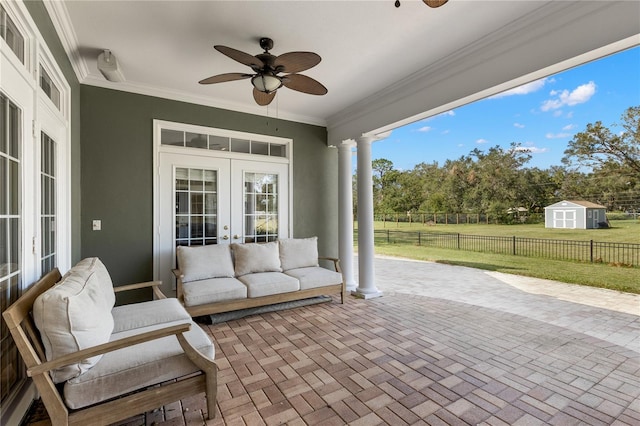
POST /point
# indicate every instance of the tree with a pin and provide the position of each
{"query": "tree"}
(598, 147)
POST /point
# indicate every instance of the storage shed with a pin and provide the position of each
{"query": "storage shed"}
(574, 215)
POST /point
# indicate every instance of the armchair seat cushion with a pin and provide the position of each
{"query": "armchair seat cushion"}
(213, 290)
(136, 367)
(144, 314)
(314, 277)
(268, 283)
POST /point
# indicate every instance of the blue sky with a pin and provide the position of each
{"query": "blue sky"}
(543, 116)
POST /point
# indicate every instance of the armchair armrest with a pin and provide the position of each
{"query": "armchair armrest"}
(335, 260)
(155, 285)
(71, 358)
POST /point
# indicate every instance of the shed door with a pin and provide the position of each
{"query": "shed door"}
(564, 219)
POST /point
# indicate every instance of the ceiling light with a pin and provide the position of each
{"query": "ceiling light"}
(266, 82)
(108, 66)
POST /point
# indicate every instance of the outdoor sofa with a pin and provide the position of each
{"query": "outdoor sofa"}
(221, 278)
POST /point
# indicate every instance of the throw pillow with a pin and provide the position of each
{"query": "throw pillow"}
(298, 252)
(205, 262)
(256, 257)
(73, 315)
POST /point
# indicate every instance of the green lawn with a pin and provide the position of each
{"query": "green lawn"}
(621, 231)
(592, 274)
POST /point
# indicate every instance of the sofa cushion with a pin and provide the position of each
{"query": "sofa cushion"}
(315, 277)
(268, 283)
(298, 252)
(136, 367)
(204, 262)
(73, 315)
(256, 257)
(213, 290)
(144, 314)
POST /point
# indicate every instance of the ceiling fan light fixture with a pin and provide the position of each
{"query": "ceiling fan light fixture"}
(266, 82)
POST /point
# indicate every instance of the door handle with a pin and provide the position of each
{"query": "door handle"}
(235, 237)
(226, 237)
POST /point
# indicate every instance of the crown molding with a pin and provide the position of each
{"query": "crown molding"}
(180, 96)
(62, 23)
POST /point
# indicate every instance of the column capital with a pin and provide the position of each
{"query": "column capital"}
(347, 144)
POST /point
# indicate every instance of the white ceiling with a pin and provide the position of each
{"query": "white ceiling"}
(370, 49)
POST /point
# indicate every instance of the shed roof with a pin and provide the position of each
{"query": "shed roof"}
(582, 203)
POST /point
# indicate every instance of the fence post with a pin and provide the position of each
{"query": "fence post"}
(388, 236)
(419, 242)
(514, 245)
(591, 250)
(458, 241)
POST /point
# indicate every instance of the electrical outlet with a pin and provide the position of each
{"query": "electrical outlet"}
(97, 225)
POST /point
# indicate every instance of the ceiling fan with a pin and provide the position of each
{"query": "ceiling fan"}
(430, 3)
(267, 67)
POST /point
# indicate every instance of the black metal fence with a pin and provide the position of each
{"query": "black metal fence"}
(626, 254)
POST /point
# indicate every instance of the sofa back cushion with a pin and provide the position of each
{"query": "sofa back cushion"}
(205, 262)
(256, 257)
(298, 252)
(73, 315)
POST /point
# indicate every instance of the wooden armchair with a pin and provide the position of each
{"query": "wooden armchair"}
(26, 335)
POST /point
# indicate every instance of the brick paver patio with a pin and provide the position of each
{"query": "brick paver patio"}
(444, 345)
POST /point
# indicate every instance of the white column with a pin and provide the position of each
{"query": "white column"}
(345, 213)
(366, 276)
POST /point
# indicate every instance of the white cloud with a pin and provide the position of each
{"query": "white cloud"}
(579, 95)
(569, 127)
(424, 129)
(557, 135)
(445, 132)
(481, 141)
(518, 125)
(460, 145)
(531, 149)
(557, 113)
(522, 90)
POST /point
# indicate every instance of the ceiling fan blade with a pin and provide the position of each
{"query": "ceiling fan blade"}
(221, 78)
(434, 3)
(303, 84)
(237, 55)
(262, 98)
(296, 61)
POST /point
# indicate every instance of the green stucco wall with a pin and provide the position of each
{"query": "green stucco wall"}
(40, 16)
(117, 177)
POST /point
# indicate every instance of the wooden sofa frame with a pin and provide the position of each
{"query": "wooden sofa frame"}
(234, 305)
(27, 338)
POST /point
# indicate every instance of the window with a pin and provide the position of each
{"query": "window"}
(10, 237)
(49, 88)
(218, 142)
(10, 34)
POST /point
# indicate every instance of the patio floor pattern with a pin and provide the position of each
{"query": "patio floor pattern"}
(503, 356)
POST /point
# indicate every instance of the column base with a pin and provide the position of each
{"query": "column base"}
(351, 287)
(366, 296)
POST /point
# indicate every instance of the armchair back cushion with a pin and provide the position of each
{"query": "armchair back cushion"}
(298, 252)
(205, 262)
(73, 315)
(256, 257)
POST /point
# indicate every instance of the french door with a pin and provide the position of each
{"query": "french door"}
(206, 200)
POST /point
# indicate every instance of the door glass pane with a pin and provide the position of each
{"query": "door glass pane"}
(10, 238)
(196, 211)
(47, 203)
(260, 207)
